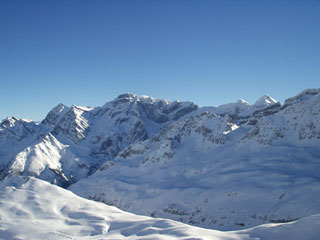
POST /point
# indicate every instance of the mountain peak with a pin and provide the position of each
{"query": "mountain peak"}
(59, 108)
(55, 115)
(241, 101)
(126, 96)
(265, 100)
(131, 97)
(9, 121)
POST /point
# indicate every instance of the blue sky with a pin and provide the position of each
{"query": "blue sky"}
(209, 52)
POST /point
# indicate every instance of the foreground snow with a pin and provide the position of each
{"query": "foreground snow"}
(34, 209)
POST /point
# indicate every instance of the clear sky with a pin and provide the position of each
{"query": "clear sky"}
(208, 52)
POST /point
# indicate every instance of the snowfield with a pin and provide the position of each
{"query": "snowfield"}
(34, 209)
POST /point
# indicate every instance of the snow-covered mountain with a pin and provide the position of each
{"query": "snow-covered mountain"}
(229, 167)
(241, 110)
(211, 171)
(34, 209)
(72, 142)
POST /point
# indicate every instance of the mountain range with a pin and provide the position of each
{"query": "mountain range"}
(231, 167)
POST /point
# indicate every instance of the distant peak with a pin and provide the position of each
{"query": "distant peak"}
(81, 108)
(265, 100)
(242, 101)
(60, 107)
(55, 114)
(129, 97)
(12, 119)
(9, 121)
(145, 97)
(126, 96)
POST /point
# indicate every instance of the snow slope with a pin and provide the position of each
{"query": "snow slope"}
(34, 209)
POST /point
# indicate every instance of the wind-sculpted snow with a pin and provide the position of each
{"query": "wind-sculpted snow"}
(34, 209)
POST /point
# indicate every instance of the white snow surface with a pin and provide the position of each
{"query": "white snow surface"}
(34, 209)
